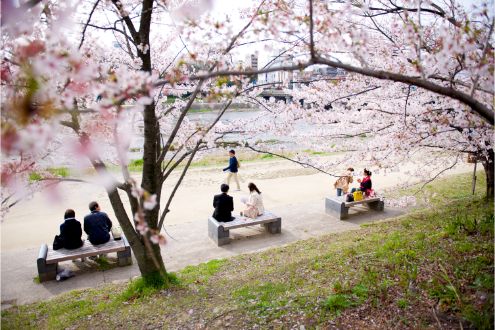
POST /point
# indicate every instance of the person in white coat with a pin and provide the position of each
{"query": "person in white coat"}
(254, 205)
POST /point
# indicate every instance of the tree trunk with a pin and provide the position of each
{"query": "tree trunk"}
(147, 254)
(488, 166)
(150, 261)
(150, 265)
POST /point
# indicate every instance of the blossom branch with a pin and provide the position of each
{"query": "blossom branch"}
(474, 104)
(482, 59)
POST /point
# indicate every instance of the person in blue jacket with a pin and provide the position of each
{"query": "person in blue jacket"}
(97, 225)
(232, 169)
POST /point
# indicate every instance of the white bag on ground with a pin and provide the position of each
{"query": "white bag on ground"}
(64, 274)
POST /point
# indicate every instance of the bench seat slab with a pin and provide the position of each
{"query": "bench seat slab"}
(338, 207)
(87, 250)
(48, 259)
(219, 231)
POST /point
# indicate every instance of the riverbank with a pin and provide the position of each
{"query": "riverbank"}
(289, 190)
(432, 268)
(283, 184)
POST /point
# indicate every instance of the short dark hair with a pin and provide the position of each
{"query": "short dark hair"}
(350, 169)
(69, 213)
(367, 172)
(224, 187)
(93, 206)
(232, 151)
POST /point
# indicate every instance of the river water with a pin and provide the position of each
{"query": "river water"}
(286, 140)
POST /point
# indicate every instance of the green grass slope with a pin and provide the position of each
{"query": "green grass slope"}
(430, 269)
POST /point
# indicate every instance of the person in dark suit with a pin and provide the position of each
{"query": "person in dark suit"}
(224, 205)
(97, 225)
(70, 231)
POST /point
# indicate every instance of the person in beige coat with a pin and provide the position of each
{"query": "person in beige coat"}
(254, 205)
(342, 183)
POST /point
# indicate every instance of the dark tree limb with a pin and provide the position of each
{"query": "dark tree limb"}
(128, 22)
(290, 159)
(87, 22)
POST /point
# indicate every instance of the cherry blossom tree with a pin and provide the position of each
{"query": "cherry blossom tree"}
(420, 82)
(420, 78)
(60, 84)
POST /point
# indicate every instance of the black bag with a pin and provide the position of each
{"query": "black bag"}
(349, 198)
(58, 243)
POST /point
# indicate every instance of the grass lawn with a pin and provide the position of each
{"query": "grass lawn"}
(432, 268)
(243, 157)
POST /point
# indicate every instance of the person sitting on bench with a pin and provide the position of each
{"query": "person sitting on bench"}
(254, 205)
(97, 225)
(224, 205)
(364, 184)
(70, 231)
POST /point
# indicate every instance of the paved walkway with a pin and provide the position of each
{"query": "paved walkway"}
(191, 246)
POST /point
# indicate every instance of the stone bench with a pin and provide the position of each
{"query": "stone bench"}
(219, 231)
(48, 258)
(338, 207)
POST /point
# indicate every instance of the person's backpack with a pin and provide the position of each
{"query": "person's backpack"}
(358, 196)
(58, 242)
(340, 182)
(349, 198)
(238, 164)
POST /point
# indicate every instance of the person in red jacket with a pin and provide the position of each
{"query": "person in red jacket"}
(364, 183)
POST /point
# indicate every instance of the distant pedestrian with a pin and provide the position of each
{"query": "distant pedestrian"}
(342, 183)
(97, 225)
(232, 169)
(224, 205)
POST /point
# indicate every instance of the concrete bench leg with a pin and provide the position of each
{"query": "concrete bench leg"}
(274, 227)
(344, 212)
(124, 257)
(336, 209)
(218, 234)
(378, 205)
(47, 272)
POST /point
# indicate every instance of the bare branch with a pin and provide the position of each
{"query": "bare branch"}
(438, 174)
(87, 22)
(290, 159)
(128, 22)
(109, 28)
(311, 32)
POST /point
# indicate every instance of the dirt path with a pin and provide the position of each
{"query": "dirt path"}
(295, 193)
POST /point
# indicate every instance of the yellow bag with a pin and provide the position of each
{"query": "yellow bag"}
(358, 196)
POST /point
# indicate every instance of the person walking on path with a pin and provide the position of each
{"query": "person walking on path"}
(97, 225)
(232, 169)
